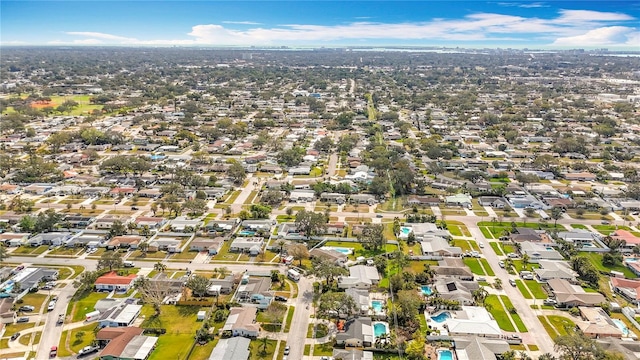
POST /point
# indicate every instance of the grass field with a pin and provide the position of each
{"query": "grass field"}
(181, 325)
(83, 108)
(536, 289)
(79, 308)
(496, 248)
(516, 318)
(523, 289)
(561, 324)
(465, 245)
(474, 266)
(456, 228)
(258, 351)
(487, 268)
(499, 314)
(596, 260)
(608, 229)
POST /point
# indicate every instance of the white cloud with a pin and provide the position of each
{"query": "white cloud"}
(241, 22)
(532, 5)
(581, 16)
(578, 27)
(604, 36)
(98, 35)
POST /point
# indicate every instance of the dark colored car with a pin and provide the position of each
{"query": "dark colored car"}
(15, 336)
(280, 298)
(23, 319)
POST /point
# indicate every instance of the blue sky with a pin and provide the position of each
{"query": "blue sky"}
(550, 24)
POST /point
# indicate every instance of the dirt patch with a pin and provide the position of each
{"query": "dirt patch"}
(42, 104)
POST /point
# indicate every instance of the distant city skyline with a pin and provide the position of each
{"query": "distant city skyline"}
(515, 24)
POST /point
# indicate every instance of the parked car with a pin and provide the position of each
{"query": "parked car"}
(606, 222)
(549, 301)
(280, 298)
(27, 308)
(88, 350)
(134, 208)
(512, 282)
(15, 336)
(23, 319)
(54, 352)
(286, 350)
(481, 245)
(501, 264)
(47, 287)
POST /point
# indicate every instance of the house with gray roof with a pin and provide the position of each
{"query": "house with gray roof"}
(236, 348)
(450, 288)
(554, 269)
(360, 277)
(480, 348)
(357, 333)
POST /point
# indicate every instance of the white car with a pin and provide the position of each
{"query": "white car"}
(481, 245)
(501, 264)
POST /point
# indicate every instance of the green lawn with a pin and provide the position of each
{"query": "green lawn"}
(203, 352)
(325, 349)
(456, 228)
(34, 299)
(487, 267)
(79, 308)
(516, 318)
(181, 325)
(523, 289)
(608, 229)
(517, 264)
(499, 314)
(579, 226)
(465, 245)
(257, 349)
(536, 289)
(596, 260)
(485, 231)
(78, 343)
(496, 248)
(289, 318)
(547, 326)
(561, 324)
(474, 266)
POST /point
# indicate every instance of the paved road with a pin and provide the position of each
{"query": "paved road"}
(300, 322)
(536, 330)
(52, 333)
(333, 162)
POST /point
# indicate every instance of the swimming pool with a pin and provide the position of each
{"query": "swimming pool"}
(620, 324)
(426, 290)
(445, 355)
(344, 250)
(380, 328)
(246, 233)
(442, 317)
(405, 230)
(377, 306)
(629, 260)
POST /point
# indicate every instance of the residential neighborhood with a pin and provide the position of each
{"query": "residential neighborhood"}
(330, 204)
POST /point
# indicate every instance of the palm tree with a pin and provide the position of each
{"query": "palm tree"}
(281, 244)
(479, 295)
(132, 226)
(525, 261)
(223, 272)
(498, 283)
(160, 267)
(144, 247)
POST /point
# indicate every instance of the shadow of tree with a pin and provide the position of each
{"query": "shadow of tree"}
(188, 310)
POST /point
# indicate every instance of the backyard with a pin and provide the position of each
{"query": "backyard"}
(181, 325)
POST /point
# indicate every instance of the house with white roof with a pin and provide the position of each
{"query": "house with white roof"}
(539, 252)
(554, 269)
(360, 277)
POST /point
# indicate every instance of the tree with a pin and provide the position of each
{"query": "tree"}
(110, 260)
(198, 285)
(576, 346)
(154, 208)
(415, 347)
(407, 307)
(332, 305)
(310, 223)
(27, 223)
(85, 281)
(272, 197)
(4, 253)
(299, 252)
(152, 292)
(525, 261)
(275, 313)
(236, 173)
(159, 267)
(546, 356)
(260, 211)
(326, 268)
(195, 206)
(131, 226)
(498, 283)
(479, 295)
(372, 237)
(117, 229)
(556, 214)
(146, 232)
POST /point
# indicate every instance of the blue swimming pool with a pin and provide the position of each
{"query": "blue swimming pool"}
(344, 250)
(442, 317)
(405, 230)
(445, 355)
(620, 324)
(380, 328)
(377, 306)
(246, 233)
(426, 290)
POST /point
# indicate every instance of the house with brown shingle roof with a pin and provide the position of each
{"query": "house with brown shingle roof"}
(112, 281)
(125, 343)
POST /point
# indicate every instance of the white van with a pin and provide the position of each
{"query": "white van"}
(128, 264)
(293, 275)
(52, 305)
